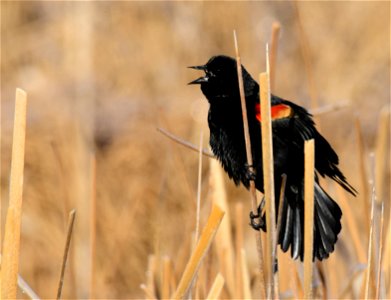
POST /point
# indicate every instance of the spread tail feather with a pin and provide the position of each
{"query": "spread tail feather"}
(327, 224)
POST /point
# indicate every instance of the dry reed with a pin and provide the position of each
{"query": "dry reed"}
(198, 200)
(268, 177)
(250, 164)
(216, 288)
(245, 275)
(93, 224)
(224, 244)
(369, 270)
(11, 244)
(363, 170)
(150, 287)
(309, 171)
(187, 144)
(166, 278)
(199, 252)
(382, 146)
(380, 254)
(71, 221)
(26, 289)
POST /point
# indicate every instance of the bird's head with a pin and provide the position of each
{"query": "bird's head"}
(221, 79)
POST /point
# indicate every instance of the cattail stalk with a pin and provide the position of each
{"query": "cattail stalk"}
(309, 150)
(11, 245)
(250, 163)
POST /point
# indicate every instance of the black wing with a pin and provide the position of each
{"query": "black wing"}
(326, 160)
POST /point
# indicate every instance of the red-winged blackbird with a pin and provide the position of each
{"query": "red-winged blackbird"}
(292, 125)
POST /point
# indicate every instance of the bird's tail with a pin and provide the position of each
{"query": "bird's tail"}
(327, 223)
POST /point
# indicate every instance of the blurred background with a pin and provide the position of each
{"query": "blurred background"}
(102, 76)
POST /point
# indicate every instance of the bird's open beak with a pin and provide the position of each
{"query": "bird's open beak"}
(201, 79)
(198, 67)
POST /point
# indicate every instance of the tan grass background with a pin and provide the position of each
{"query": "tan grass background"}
(101, 76)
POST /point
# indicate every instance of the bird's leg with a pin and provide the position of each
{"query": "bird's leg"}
(249, 172)
(256, 221)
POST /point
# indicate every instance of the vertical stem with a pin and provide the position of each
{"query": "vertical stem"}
(250, 163)
(223, 245)
(268, 177)
(369, 271)
(199, 189)
(71, 221)
(167, 274)
(93, 225)
(309, 164)
(383, 134)
(11, 246)
(363, 171)
(380, 253)
(79, 35)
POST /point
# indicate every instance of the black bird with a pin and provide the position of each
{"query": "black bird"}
(291, 126)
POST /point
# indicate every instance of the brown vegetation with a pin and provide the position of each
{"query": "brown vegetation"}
(101, 76)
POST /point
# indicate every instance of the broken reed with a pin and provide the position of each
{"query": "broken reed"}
(268, 177)
(11, 245)
(199, 252)
(309, 171)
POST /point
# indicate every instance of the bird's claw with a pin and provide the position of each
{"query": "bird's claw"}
(250, 172)
(255, 221)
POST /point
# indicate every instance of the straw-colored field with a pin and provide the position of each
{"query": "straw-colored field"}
(101, 77)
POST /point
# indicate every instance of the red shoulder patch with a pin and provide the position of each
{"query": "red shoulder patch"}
(278, 111)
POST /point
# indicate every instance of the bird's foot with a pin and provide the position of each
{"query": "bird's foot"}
(275, 266)
(250, 172)
(256, 221)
